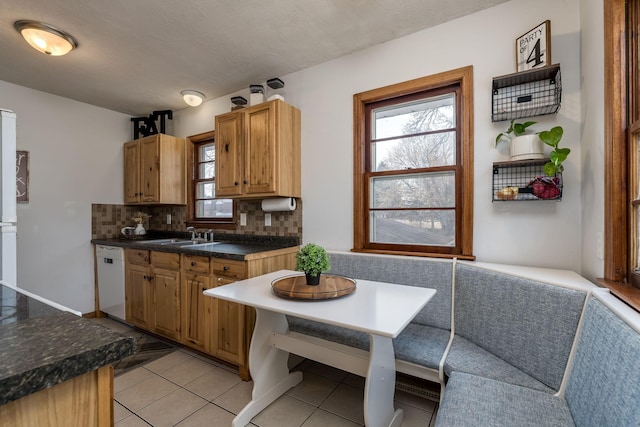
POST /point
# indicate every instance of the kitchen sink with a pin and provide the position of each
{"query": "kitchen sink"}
(160, 241)
(179, 242)
(186, 242)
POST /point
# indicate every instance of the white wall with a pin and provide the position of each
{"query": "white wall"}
(528, 233)
(592, 158)
(75, 159)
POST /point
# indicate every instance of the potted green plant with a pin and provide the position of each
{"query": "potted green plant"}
(523, 145)
(313, 260)
(558, 155)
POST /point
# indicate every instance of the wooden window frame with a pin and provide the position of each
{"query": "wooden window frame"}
(618, 224)
(193, 142)
(464, 229)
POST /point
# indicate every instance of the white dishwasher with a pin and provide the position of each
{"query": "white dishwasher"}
(110, 260)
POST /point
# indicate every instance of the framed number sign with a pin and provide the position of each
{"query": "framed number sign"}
(533, 48)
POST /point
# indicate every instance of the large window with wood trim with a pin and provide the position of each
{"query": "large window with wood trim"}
(203, 208)
(413, 148)
(622, 149)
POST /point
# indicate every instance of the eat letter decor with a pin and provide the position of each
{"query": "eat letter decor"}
(145, 126)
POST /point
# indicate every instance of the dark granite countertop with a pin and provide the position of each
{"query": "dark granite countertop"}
(229, 246)
(43, 346)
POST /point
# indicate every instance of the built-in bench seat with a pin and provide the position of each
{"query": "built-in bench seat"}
(501, 325)
(602, 387)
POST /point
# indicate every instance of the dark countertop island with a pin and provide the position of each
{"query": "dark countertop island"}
(43, 346)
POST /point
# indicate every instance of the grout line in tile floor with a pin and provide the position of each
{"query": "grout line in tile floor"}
(186, 389)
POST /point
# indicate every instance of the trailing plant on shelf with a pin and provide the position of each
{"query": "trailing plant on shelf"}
(313, 260)
(558, 155)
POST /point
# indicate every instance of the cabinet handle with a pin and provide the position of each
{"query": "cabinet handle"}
(226, 147)
(193, 263)
(235, 183)
(219, 279)
(204, 289)
(225, 268)
(244, 182)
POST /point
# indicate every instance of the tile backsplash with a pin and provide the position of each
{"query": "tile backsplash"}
(107, 220)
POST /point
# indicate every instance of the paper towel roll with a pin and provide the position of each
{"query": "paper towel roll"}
(279, 204)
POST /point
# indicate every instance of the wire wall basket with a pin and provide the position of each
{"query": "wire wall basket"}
(530, 93)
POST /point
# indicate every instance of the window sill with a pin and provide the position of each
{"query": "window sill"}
(626, 292)
(418, 254)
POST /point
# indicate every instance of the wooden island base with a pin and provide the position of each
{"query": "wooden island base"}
(86, 400)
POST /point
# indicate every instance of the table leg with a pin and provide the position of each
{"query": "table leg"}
(380, 385)
(268, 366)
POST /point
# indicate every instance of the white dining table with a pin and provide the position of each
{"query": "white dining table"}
(382, 310)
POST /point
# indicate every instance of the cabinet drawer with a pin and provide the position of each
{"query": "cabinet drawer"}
(137, 256)
(228, 268)
(195, 264)
(165, 260)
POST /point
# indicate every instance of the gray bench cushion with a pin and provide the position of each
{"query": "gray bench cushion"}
(419, 344)
(604, 384)
(474, 401)
(464, 356)
(413, 271)
(526, 323)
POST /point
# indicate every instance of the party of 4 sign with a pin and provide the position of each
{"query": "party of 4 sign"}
(533, 49)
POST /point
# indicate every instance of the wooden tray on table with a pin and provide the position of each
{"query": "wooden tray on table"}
(295, 287)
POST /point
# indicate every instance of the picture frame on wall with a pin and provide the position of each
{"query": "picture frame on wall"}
(22, 176)
(533, 48)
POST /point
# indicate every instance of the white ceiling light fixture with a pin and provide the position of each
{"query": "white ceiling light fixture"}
(193, 98)
(46, 38)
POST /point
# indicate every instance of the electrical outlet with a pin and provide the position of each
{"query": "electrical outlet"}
(243, 219)
(168, 218)
(267, 220)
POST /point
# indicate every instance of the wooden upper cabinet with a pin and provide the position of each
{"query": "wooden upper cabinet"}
(131, 172)
(258, 151)
(155, 170)
(228, 143)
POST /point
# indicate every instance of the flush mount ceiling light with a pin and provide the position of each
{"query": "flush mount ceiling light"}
(46, 38)
(193, 98)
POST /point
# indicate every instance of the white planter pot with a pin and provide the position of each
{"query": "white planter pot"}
(526, 147)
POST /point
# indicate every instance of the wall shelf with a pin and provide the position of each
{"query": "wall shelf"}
(513, 181)
(525, 94)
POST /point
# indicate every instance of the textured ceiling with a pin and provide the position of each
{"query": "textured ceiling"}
(135, 56)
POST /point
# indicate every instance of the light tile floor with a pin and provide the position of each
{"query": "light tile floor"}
(186, 389)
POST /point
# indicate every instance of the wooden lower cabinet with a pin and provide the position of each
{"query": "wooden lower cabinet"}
(152, 292)
(164, 295)
(167, 321)
(196, 308)
(138, 295)
(228, 341)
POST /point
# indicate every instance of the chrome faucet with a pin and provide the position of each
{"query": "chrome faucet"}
(209, 235)
(193, 232)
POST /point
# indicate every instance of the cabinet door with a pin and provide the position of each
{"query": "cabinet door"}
(261, 149)
(132, 192)
(196, 311)
(150, 169)
(166, 285)
(138, 295)
(229, 179)
(228, 335)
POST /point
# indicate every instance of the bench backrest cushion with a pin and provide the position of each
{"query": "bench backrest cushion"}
(527, 323)
(412, 271)
(604, 383)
